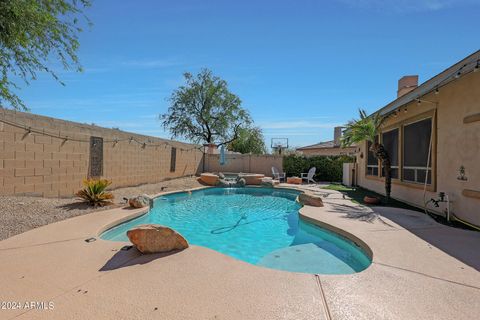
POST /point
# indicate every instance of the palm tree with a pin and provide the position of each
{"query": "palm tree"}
(367, 129)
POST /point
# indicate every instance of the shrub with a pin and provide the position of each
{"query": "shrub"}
(94, 192)
(329, 168)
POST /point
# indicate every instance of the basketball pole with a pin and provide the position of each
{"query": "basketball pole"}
(279, 144)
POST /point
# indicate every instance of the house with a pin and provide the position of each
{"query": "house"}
(432, 134)
(328, 148)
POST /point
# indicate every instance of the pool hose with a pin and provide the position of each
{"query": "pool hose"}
(465, 222)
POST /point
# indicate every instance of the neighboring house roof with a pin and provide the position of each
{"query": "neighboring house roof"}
(320, 145)
(464, 66)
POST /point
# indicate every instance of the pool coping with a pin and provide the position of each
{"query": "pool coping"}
(417, 271)
(358, 238)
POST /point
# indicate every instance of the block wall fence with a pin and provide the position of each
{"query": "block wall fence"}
(49, 157)
(244, 163)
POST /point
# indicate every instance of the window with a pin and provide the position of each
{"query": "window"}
(173, 159)
(372, 162)
(416, 145)
(390, 142)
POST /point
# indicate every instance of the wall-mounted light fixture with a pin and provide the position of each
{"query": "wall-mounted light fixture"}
(461, 172)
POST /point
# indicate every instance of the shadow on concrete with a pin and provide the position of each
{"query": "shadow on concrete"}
(131, 257)
(458, 243)
(360, 213)
(357, 194)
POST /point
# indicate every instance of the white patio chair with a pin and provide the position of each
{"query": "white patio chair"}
(309, 176)
(278, 175)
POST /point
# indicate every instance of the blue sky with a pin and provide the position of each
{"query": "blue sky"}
(300, 67)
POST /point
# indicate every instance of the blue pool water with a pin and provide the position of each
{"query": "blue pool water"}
(257, 225)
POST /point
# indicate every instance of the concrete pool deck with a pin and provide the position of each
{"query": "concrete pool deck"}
(420, 270)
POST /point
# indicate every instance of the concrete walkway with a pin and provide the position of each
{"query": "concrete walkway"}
(420, 270)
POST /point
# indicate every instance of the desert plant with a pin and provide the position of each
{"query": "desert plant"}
(367, 128)
(94, 192)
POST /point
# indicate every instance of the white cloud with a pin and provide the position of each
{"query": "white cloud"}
(300, 131)
(286, 134)
(406, 5)
(97, 104)
(297, 124)
(149, 116)
(141, 98)
(152, 63)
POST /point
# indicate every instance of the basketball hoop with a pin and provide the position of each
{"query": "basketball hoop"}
(279, 144)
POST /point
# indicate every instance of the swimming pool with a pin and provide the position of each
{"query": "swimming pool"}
(257, 225)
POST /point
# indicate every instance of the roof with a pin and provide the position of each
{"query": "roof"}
(320, 145)
(464, 66)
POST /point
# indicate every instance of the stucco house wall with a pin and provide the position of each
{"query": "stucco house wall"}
(455, 143)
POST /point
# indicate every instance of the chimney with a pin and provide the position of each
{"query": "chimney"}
(337, 134)
(406, 84)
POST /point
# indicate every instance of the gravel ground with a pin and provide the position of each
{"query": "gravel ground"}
(20, 214)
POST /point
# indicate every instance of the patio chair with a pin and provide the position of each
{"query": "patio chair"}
(278, 175)
(309, 176)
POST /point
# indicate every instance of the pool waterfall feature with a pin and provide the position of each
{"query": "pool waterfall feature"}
(260, 226)
(231, 181)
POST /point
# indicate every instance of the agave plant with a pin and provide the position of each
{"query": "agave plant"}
(94, 192)
(367, 129)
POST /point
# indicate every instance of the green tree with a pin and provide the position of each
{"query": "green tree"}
(367, 129)
(204, 110)
(31, 33)
(250, 140)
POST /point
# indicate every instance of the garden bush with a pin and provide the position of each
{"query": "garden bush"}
(329, 168)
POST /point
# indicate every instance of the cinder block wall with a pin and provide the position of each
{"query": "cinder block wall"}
(244, 163)
(43, 164)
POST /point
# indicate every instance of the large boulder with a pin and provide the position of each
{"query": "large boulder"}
(209, 178)
(139, 201)
(308, 199)
(252, 178)
(153, 238)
